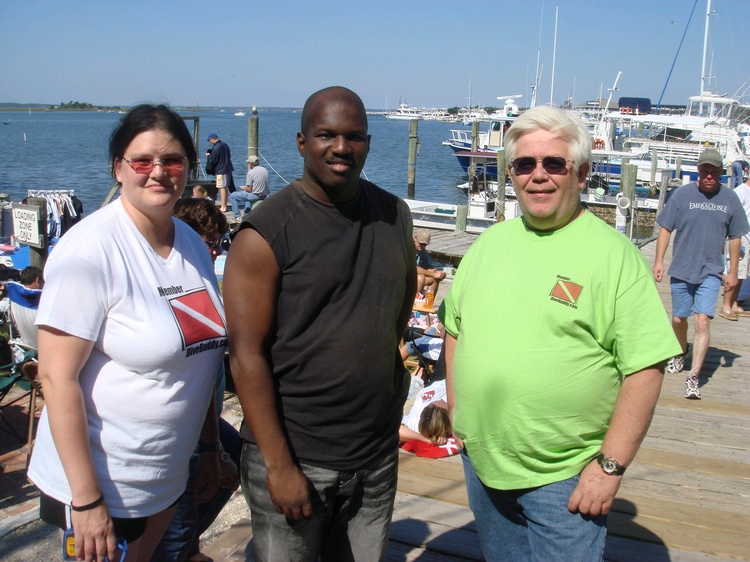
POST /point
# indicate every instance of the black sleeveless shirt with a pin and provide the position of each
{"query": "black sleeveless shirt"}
(340, 382)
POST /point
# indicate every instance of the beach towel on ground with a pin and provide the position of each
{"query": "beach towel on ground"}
(428, 450)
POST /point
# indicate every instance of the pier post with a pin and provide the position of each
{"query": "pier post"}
(411, 171)
(665, 176)
(474, 135)
(252, 135)
(462, 211)
(38, 256)
(627, 188)
(501, 178)
(678, 168)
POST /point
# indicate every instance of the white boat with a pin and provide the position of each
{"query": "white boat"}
(239, 113)
(405, 112)
(710, 120)
(489, 141)
(443, 216)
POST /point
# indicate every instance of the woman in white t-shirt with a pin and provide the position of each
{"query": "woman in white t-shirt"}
(428, 420)
(131, 334)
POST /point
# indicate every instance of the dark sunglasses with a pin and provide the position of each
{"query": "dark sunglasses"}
(171, 164)
(219, 244)
(554, 165)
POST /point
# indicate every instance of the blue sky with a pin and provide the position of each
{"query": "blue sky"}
(275, 53)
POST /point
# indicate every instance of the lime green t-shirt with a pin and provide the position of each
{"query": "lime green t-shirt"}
(547, 324)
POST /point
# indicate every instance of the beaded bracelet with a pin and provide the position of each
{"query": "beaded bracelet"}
(96, 503)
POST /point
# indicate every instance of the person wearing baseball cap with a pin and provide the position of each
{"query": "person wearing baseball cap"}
(256, 188)
(427, 275)
(220, 159)
(704, 214)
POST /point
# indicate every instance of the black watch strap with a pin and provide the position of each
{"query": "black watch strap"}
(610, 466)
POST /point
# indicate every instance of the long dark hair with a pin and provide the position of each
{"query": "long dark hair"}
(147, 117)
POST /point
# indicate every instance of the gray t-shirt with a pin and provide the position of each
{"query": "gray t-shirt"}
(703, 223)
(257, 178)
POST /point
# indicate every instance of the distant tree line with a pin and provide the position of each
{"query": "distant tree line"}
(78, 105)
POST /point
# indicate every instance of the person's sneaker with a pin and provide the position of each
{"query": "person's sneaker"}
(691, 387)
(677, 363)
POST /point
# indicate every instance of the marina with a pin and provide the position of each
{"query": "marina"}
(685, 496)
(684, 499)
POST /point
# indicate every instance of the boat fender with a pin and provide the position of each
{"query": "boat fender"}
(599, 144)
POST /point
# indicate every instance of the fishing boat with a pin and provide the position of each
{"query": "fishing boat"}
(489, 141)
(239, 113)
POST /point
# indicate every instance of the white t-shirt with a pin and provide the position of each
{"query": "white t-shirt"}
(160, 334)
(429, 394)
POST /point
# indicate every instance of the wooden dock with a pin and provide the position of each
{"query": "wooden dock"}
(685, 498)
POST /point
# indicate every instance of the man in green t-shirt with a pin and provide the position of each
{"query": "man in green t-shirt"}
(555, 343)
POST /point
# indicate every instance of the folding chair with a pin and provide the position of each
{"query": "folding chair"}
(21, 373)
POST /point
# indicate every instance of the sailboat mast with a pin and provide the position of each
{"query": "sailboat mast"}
(554, 56)
(705, 49)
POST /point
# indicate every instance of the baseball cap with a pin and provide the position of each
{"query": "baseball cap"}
(212, 136)
(253, 159)
(422, 235)
(711, 157)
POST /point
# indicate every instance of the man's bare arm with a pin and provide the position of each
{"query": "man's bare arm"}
(251, 280)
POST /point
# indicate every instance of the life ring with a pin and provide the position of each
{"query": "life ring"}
(599, 144)
(626, 110)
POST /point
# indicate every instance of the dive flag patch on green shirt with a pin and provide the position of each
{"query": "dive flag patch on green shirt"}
(566, 291)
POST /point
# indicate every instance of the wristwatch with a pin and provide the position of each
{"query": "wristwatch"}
(610, 466)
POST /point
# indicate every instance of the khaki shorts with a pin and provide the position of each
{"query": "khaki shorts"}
(221, 181)
(743, 269)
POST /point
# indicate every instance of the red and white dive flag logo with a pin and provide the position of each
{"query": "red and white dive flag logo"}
(197, 317)
(566, 292)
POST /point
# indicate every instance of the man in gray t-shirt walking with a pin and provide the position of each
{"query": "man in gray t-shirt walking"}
(704, 214)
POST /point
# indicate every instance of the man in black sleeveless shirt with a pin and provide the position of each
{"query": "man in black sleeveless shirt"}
(318, 288)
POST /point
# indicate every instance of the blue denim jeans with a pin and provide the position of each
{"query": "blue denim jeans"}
(240, 199)
(351, 517)
(190, 520)
(532, 524)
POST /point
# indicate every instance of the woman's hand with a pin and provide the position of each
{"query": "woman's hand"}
(94, 534)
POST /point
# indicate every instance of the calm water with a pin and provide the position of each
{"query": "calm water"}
(68, 150)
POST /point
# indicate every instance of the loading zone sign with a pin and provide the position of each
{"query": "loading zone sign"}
(26, 224)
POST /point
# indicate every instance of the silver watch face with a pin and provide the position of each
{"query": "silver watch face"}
(609, 466)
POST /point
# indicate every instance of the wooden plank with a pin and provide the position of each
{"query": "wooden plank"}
(458, 543)
(632, 504)
(692, 462)
(678, 402)
(435, 511)
(619, 549)
(449, 468)
(431, 487)
(695, 537)
(234, 544)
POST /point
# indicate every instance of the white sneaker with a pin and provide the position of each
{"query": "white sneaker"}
(691, 387)
(677, 363)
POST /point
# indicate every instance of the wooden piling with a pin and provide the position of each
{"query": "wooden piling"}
(462, 211)
(501, 178)
(411, 171)
(252, 134)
